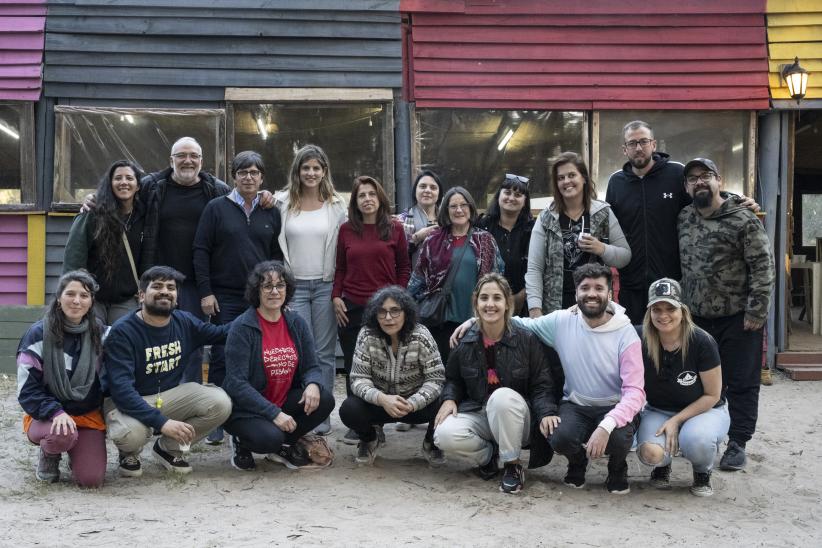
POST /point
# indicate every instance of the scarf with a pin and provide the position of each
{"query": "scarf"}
(55, 375)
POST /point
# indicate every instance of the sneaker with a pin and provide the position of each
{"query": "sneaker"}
(575, 477)
(661, 477)
(351, 438)
(292, 457)
(489, 470)
(215, 437)
(403, 427)
(324, 429)
(169, 461)
(130, 466)
(734, 458)
(367, 451)
(380, 433)
(513, 478)
(701, 486)
(617, 480)
(241, 458)
(433, 454)
(48, 467)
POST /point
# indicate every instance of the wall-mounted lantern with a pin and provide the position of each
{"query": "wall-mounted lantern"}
(797, 79)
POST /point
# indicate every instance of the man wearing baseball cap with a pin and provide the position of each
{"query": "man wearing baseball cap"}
(727, 280)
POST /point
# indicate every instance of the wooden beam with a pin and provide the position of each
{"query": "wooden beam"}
(36, 260)
(365, 95)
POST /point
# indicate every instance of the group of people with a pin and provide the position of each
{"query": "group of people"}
(496, 332)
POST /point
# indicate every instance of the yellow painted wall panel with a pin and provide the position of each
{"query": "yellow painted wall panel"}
(814, 66)
(793, 6)
(36, 260)
(803, 50)
(782, 93)
(793, 19)
(804, 33)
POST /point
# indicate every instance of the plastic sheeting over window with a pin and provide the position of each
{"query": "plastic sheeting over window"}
(88, 140)
(476, 148)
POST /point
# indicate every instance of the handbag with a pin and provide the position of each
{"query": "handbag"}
(434, 306)
(316, 449)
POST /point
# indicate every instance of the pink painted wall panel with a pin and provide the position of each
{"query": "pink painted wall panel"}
(13, 257)
(22, 39)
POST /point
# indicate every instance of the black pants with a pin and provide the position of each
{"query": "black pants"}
(348, 338)
(441, 335)
(577, 424)
(260, 435)
(740, 353)
(188, 300)
(231, 306)
(361, 417)
(635, 302)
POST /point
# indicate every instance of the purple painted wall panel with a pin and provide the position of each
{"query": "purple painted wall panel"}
(22, 38)
(13, 257)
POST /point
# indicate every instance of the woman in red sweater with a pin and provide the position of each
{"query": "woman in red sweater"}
(372, 253)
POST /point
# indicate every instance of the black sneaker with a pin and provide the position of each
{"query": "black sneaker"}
(661, 477)
(734, 458)
(169, 461)
(617, 480)
(241, 458)
(433, 454)
(292, 457)
(489, 470)
(701, 486)
(351, 438)
(367, 451)
(48, 467)
(575, 477)
(130, 466)
(513, 479)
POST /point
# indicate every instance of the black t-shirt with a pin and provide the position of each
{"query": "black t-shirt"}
(513, 247)
(180, 213)
(572, 256)
(677, 385)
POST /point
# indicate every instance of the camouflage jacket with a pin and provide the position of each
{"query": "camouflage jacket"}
(727, 262)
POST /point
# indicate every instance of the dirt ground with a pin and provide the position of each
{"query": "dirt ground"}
(401, 501)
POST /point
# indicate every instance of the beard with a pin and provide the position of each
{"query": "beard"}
(703, 198)
(640, 162)
(159, 310)
(593, 310)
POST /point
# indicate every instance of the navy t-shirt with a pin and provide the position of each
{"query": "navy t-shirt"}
(677, 385)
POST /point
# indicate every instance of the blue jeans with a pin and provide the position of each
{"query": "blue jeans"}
(312, 301)
(699, 436)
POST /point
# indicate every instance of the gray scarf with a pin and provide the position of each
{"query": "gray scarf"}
(55, 375)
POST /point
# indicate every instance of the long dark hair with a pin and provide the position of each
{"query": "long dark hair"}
(435, 177)
(108, 219)
(493, 212)
(589, 189)
(57, 320)
(370, 318)
(384, 223)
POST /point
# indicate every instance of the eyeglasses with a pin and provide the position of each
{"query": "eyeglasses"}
(184, 155)
(517, 178)
(393, 312)
(270, 288)
(253, 173)
(642, 142)
(457, 207)
(704, 177)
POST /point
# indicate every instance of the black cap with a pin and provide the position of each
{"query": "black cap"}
(704, 162)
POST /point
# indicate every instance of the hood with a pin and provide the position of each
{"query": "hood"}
(728, 207)
(660, 159)
(618, 319)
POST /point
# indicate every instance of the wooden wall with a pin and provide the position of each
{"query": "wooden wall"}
(22, 24)
(14, 321)
(594, 55)
(13, 259)
(795, 30)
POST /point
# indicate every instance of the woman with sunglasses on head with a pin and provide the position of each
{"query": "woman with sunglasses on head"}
(456, 244)
(107, 241)
(371, 253)
(510, 221)
(573, 230)
(397, 375)
(58, 384)
(420, 220)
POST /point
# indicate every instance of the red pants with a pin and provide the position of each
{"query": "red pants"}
(86, 449)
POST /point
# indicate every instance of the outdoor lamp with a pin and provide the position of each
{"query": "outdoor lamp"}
(797, 79)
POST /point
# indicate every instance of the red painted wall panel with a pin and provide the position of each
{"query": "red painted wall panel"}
(690, 54)
(13, 256)
(22, 38)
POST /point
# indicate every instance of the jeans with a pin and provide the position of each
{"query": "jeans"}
(312, 301)
(505, 421)
(699, 436)
(231, 306)
(361, 416)
(188, 300)
(348, 338)
(740, 353)
(86, 448)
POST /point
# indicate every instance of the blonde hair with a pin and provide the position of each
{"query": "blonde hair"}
(650, 335)
(505, 287)
(294, 187)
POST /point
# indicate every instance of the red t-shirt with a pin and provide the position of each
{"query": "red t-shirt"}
(279, 359)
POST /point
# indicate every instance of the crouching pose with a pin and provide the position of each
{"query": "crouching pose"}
(686, 409)
(272, 374)
(499, 391)
(397, 374)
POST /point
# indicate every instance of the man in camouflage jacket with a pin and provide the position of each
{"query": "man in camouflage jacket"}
(727, 280)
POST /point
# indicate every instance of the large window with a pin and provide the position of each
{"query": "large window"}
(357, 137)
(88, 140)
(16, 154)
(476, 148)
(724, 137)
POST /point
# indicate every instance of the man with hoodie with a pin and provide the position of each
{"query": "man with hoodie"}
(727, 280)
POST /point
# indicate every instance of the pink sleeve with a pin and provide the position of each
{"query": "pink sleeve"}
(632, 372)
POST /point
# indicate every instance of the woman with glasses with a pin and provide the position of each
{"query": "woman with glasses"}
(312, 213)
(397, 375)
(573, 230)
(272, 374)
(420, 220)
(510, 221)
(456, 244)
(234, 234)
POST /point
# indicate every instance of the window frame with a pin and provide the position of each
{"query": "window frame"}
(27, 158)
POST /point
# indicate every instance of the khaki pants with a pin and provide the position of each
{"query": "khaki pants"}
(203, 407)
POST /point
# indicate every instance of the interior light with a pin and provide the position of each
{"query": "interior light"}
(505, 139)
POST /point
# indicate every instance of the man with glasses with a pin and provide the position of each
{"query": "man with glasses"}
(727, 280)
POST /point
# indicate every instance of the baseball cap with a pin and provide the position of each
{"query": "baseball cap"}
(704, 162)
(666, 290)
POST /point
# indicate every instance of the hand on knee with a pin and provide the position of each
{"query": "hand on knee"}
(651, 454)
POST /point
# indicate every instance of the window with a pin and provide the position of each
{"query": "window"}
(722, 136)
(16, 154)
(88, 140)
(476, 148)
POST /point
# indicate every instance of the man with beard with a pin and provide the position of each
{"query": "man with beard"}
(601, 357)
(144, 357)
(727, 279)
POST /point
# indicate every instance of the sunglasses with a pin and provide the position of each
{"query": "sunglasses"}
(517, 179)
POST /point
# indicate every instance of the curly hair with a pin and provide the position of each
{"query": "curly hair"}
(593, 271)
(57, 320)
(384, 222)
(370, 316)
(261, 274)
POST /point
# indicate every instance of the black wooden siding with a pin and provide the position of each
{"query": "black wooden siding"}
(57, 230)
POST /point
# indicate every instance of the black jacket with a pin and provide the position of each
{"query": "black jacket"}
(522, 364)
(647, 210)
(152, 191)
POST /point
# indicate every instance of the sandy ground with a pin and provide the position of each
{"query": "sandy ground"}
(401, 501)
